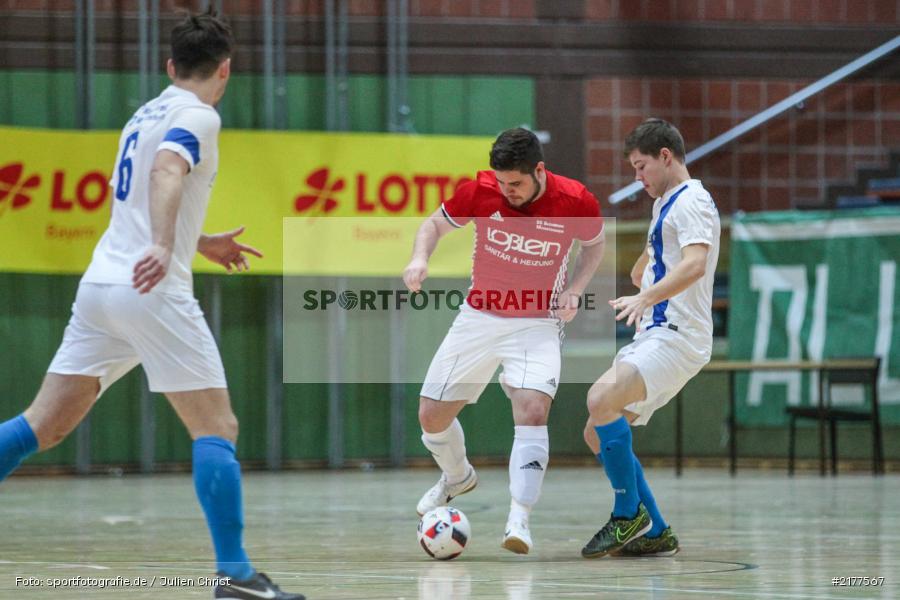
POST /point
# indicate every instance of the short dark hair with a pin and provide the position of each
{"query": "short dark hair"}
(651, 136)
(199, 43)
(516, 150)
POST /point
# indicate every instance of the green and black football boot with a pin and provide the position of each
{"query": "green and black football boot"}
(664, 545)
(616, 533)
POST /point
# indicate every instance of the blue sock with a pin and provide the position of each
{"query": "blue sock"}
(659, 524)
(618, 461)
(17, 442)
(217, 479)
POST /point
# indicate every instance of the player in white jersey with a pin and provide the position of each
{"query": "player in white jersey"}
(135, 303)
(673, 316)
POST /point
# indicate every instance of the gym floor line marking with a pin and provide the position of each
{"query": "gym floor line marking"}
(415, 577)
(755, 593)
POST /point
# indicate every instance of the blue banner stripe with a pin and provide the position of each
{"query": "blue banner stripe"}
(659, 267)
(185, 139)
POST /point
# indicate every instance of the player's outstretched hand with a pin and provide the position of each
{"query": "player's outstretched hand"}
(414, 274)
(567, 306)
(152, 267)
(631, 307)
(223, 249)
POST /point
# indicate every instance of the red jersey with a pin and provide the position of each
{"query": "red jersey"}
(521, 254)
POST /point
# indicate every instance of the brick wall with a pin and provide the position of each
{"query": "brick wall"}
(796, 11)
(786, 163)
(513, 9)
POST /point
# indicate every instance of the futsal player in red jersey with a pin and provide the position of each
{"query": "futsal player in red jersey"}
(526, 220)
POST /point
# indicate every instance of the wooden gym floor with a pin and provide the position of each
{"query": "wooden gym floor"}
(338, 535)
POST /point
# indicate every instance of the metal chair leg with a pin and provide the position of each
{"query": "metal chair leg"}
(832, 424)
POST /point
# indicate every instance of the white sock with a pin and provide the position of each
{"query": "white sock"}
(527, 465)
(518, 512)
(449, 450)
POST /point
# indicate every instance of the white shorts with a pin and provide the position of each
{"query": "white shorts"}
(113, 329)
(479, 342)
(666, 362)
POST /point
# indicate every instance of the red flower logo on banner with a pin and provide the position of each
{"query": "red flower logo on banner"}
(11, 187)
(321, 192)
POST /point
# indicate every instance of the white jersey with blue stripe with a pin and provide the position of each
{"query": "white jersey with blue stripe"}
(684, 215)
(177, 121)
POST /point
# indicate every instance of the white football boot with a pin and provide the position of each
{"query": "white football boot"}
(442, 492)
(517, 536)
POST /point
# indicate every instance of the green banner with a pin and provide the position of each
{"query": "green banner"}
(813, 286)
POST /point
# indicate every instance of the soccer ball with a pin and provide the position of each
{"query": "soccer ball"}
(444, 532)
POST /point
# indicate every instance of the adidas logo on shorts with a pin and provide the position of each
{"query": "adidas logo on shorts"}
(551, 381)
(533, 465)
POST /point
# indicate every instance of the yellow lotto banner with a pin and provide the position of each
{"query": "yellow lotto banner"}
(377, 247)
(349, 203)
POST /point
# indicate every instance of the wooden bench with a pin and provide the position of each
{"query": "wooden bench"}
(832, 371)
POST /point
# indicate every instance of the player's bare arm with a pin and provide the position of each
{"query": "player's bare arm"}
(691, 268)
(637, 270)
(166, 181)
(430, 231)
(223, 249)
(586, 264)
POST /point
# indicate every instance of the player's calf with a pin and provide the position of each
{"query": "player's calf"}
(60, 405)
(528, 463)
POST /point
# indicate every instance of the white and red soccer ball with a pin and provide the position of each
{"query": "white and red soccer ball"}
(444, 532)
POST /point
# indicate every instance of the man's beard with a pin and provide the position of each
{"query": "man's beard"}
(537, 192)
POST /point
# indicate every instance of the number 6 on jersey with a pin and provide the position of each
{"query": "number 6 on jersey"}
(126, 168)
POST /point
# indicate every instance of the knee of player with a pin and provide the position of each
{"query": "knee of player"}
(429, 419)
(598, 398)
(231, 427)
(226, 426)
(605, 404)
(533, 415)
(590, 435)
